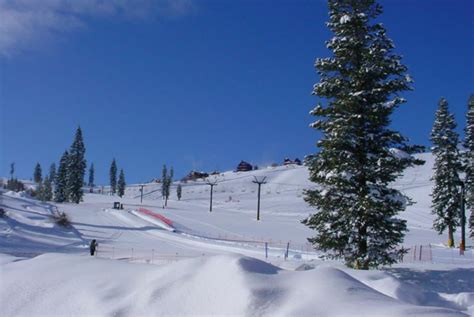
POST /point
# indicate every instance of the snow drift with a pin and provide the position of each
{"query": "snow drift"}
(60, 285)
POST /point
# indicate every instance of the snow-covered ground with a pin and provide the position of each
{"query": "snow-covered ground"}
(185, 260)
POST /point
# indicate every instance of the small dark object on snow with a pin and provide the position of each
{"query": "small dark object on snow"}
(93, 246)
(118, 205)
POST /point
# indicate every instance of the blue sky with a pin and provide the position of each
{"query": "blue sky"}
(200, 84)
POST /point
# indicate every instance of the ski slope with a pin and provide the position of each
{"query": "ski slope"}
(156, 261)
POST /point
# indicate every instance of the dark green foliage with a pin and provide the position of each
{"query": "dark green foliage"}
(113, 177)
(90, 183)
(12, 169)
(61, 190)
(76, 168)
(446, 194)
(37, 175)
(469, 162)
(179, 191)
(166, 181)
(121, 184)
(52, 173)
(15, 185)
(48, 189)
(360, 156)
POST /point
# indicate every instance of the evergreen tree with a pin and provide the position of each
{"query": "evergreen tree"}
(76, 168)
(164, 177)
(12, 170)
(113, 177)
(37, 175)
(469, 162)
(48, 189)
(179, 191)
(90, 183)
(44, 191)
(446, 195)
(121, 184)
(52, 173)
(359, 155)
(39, 193)
(60, 191)
(166, 180)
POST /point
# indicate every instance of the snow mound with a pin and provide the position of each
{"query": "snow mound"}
(60, 285)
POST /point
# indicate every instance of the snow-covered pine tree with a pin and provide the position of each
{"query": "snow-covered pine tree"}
(446, 194)
(469, 162)
(47, 194)
(166, 180)
(359, 155)
(121, 184)
(76, 168)
(60, 190)
(37, 175)
(164, 177)
(113, 177)
(12, 170)
(40, 191)
(52, 173)
(90, 183)
(179, 191)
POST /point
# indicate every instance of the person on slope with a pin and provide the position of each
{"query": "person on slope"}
(93, 246)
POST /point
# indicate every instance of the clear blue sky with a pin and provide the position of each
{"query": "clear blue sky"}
(201, 84)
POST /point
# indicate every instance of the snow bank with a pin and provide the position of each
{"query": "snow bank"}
(60, 285)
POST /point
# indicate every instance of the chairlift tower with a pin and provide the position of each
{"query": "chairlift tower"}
(259, 182)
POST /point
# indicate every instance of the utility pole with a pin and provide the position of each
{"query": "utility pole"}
(462, 246)
(211, 183)
(141, 193)
(259, 182)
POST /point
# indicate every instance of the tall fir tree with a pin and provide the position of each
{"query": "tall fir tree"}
(76, 168)
(179, 191)
(446, 194)
(48, 189)
(166, 180)
(164, 177)
(359, 155)
(121, 184)
(469, 162)
(113, 177)
(37, 175)
(60, 190)
(90, 183)
(12, 170)
(45, 190)
(52, 173)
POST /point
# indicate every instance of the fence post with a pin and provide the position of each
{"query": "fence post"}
(414, 254)
(421, 249)
(287, 248)
(266, 250)
(431, 254)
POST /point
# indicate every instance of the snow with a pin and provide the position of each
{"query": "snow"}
(202, 262)
(63, 285)
(345, 19)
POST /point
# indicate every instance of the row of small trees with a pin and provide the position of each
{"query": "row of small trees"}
(117, 186)
(453, 171)
(66, 183)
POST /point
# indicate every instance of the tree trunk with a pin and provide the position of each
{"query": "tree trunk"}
(450, 236)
